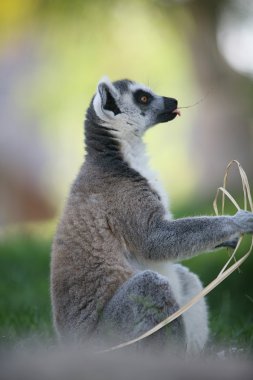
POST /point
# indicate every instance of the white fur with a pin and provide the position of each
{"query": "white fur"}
(97, 104)
(138, 86)
(134, 153)
(104, 115)
(196, 318)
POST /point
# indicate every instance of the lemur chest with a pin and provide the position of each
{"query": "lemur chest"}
(137, 159)
(155, 184)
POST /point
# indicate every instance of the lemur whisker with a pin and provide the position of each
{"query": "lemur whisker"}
(199, 101)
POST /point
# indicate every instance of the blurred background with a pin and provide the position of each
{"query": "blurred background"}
(52, 54)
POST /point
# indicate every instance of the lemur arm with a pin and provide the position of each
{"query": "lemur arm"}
(149, 234)
(184, 238)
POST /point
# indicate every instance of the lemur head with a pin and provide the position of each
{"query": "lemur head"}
(131, 108)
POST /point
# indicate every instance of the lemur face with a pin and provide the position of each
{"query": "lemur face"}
(131, 107)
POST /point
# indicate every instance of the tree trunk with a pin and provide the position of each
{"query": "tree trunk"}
(223, 129)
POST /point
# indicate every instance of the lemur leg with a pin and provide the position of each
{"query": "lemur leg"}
(138, 305)
(196, 318)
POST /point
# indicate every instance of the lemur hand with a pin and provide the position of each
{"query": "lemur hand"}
(244, 221)
(229, 243)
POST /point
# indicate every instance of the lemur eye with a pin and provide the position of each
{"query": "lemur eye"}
(144, 99)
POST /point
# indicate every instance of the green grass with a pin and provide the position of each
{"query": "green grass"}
(25, 299)
(24, 288)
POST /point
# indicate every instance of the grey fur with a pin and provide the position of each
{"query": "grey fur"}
(122, 85)
(115, 225)
(138, 305)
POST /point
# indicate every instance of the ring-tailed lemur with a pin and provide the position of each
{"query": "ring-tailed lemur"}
(113, 261)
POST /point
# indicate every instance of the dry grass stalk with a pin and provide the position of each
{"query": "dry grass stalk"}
(225, 272)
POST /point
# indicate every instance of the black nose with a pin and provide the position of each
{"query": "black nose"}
(170, 104)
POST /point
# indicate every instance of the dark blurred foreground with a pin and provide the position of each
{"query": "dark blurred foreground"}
(62, 363)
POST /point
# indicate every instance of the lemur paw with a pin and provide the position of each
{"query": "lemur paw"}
(244, 221)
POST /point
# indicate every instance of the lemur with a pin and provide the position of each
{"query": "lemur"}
(116, 251)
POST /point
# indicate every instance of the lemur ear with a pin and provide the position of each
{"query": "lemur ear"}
(106, 98)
